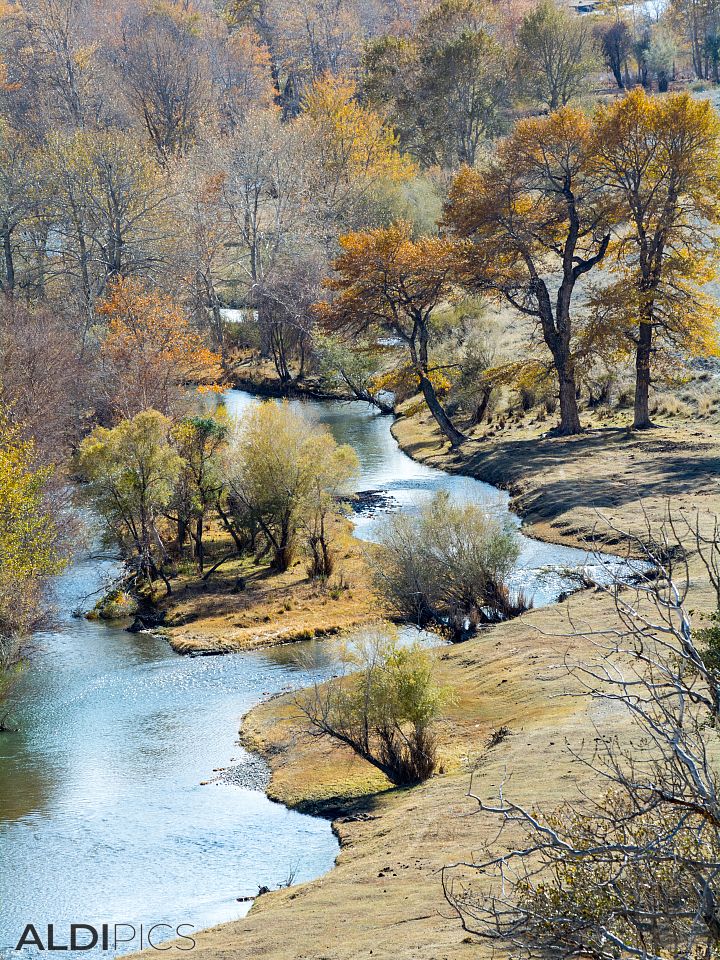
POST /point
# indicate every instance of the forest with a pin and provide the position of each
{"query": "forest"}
(493, 221)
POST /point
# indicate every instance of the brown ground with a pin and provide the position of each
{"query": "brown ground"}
(216, 616)
(384, 898)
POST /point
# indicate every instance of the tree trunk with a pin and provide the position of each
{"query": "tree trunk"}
(200, 544)
(569, 414)
(642, 377)
(438, 411)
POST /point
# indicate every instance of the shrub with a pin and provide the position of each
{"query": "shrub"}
(448, 565)
(386, 711)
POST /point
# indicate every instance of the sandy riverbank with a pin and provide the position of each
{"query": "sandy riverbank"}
(384, 897)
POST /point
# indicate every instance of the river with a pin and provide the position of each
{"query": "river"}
(103, 813)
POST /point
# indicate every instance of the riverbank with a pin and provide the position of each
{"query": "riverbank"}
(384, 898)
(245, 604)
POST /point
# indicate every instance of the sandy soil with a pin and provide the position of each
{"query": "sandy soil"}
(384, 898)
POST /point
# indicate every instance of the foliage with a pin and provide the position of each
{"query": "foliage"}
(386, 711)
(385, 280)
(658, 157)
(150, 352)
(448, 565)
(556, 53)
(201, 442)
(130, 472)
(448, 85)
(286, 474)
(536, 220)
(31, 545)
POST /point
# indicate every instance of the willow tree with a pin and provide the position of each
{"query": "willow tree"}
(537, 219)
(385, 281)
(660, 157)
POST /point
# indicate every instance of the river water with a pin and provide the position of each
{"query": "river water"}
(103, 815)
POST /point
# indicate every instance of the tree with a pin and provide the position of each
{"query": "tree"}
(150, 354)
(385, 712)
(351, 366)
(660, 58)
(632, 872)
(166, 70)
(447, 86)
(616, 43)
(447, 566)
(32, 546)
(200, 441)
(286, 474)
(350, 148)
(659, 157)
(384, 280)
(537, 213)
(108, 214)
(556, 54)
(131, 472)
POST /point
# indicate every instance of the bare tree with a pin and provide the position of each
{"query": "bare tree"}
(635, 872)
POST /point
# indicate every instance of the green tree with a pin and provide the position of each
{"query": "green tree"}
(286, 475)
(556, 54)
(385, 711)
(32, 548)
(447, 86)
(200, 441)
(131, 472)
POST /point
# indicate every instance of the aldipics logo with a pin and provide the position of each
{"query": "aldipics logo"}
(109, 937)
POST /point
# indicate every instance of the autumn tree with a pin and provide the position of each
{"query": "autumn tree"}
(659, 156)
(151, 355)
(350, 150)
(32, 547)
(556, 54)
(130, 473)
(386, 281)
(286, 474)
(447, 86)
(167, 74)
(537, 220)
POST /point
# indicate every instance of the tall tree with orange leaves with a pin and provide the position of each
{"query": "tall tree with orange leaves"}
(150, 353)
(387, 281)
(537, 219)
(660, 157)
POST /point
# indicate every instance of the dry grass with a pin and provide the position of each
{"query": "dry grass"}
(217, 616)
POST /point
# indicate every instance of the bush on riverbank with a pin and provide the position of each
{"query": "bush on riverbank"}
(386, 712)
(448, 566)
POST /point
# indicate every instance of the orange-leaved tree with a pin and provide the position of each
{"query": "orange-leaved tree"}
(537, 219)
(150, 353)
(386, 281)
(660, 157)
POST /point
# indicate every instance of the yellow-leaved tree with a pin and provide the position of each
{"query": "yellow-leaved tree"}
(31, 544)
(352, 149)
(660, 159)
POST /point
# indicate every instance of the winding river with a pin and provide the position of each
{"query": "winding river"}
(104, 816)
